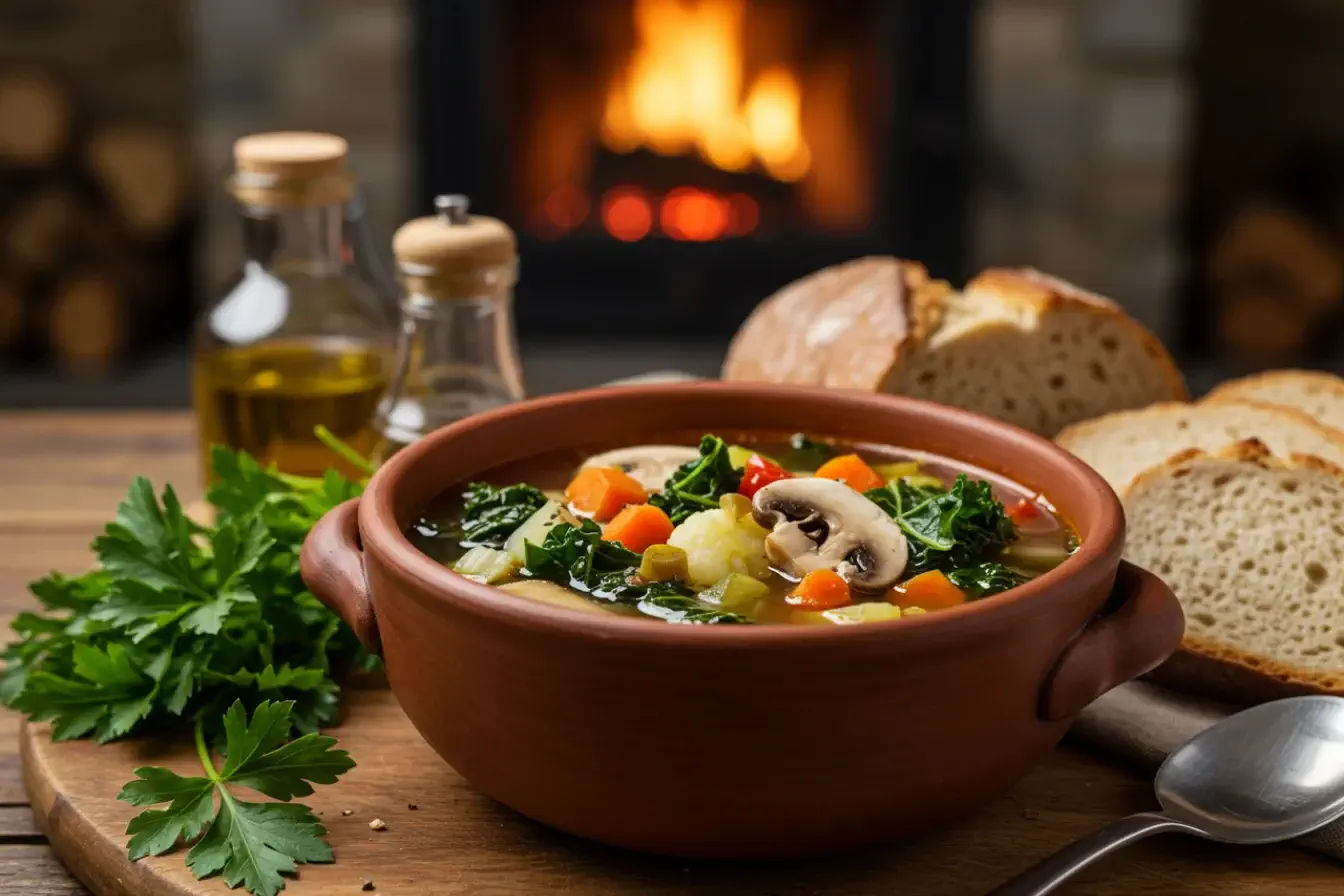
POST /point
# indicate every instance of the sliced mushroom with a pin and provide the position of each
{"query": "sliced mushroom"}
(649, 465)
(551, 593)
(822, 523)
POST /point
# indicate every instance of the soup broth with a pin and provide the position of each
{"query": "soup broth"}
(795, 530)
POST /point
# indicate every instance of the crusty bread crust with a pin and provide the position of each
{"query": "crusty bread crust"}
(1040, 292)
(843, 326)
(1070, 435)
(851, 325)
(1247, 386)
(1208, 667)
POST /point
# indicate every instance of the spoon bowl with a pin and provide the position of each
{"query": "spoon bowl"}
(1270, 773)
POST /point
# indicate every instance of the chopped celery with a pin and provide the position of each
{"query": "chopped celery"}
(551, 593)
(534, 529)
(898, 470)
(909, 470)
(1038, 557)
(486, 565)
(924, 480)
(663, 563)
(738, 456)
(735, 592)
(874, 611)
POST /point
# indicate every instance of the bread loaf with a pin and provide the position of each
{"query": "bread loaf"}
(1253, 546)
(1318, 394)
(1121, 445)
(1014, 344)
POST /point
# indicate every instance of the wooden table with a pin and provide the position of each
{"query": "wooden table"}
(61, 476)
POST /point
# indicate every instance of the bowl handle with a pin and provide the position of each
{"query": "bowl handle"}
(332, 565)
(1141, 626)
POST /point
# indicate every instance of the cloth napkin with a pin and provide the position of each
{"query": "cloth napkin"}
(1142, 723)
(1138, 722)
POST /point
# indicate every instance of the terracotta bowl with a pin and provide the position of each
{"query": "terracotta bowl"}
(738, 741)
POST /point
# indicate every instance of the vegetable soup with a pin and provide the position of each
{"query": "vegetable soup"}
(800, 531)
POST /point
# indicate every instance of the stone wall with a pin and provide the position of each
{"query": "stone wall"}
(1085, 119)
(330, 65)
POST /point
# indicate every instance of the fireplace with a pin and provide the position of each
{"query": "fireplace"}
(668, 163)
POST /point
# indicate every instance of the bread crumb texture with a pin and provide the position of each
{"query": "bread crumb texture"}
(1121, 445)
(1253, 547)
(1318, 394)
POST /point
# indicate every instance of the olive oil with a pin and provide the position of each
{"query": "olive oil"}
(267, 399)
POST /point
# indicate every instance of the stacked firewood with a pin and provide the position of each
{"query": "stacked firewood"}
(95, 221)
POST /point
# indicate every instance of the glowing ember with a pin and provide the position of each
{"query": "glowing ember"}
(681, 91)
(691, 214)
(743, 214)
(626, 214)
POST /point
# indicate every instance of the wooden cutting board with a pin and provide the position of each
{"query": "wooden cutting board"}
(442, 837)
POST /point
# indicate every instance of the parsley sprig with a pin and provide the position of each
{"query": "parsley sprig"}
(249, 843)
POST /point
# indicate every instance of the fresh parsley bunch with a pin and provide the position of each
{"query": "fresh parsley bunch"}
(181, 621)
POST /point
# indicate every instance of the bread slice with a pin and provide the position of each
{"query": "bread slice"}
(1313, 392)
(1119, 446)
(1014, 344)
(1253, 546)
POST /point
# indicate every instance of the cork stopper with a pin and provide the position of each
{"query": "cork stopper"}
(291, 168)
(454, 252)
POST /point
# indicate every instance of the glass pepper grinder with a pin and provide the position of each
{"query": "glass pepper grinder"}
(457, 353)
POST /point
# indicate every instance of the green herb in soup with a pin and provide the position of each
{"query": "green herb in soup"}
(490, 515)
(698, 484)
(800, 531)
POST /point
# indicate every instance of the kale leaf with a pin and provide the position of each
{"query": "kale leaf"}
(578, 558)
(946, 529)
(985, 579)
(490, 515)
(698, 484)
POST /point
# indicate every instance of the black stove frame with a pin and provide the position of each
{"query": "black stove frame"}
(598, 287)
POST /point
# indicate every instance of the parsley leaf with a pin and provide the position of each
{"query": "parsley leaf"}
(181, 617)
(697, 485)
(248, 843)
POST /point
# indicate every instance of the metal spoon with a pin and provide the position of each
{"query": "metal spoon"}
(1266, 774)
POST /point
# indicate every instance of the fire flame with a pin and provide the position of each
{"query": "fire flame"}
(681, 91)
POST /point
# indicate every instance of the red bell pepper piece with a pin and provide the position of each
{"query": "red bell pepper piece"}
(758, 473)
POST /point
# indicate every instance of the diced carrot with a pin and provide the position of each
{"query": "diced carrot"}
(929, 591)
(601, 492)
(1023, 510)
(821, 589)
(851, 470)
(638, 526)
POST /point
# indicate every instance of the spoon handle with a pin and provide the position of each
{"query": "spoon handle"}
(1045, 876)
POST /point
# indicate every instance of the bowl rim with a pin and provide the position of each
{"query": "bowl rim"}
(381, 535)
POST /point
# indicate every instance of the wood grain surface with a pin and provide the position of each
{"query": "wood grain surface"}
(60, 478)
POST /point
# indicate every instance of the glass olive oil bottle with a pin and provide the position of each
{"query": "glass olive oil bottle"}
(298, 339)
